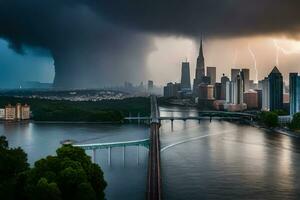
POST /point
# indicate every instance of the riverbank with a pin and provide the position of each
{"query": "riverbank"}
(276, 130)
(82, 111)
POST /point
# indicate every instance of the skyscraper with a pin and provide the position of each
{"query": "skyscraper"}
(246, 78)
(234, 73)
(185, 77)
(200, 69)
(211, 72)
(294, 93)
(224, 80)
(276, 89)
(239, 90)
(265, 94)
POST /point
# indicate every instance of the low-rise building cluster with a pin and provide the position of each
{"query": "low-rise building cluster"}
(15, 113)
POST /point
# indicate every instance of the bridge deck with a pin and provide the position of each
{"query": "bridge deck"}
(144, 142)
(154, 191)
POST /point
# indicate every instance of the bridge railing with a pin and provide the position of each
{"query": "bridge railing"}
(144, 142)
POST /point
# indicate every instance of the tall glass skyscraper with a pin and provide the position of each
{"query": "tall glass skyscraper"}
(275, 89)
(294, 93)
(185, 77)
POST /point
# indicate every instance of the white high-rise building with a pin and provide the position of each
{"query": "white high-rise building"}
(265, 94)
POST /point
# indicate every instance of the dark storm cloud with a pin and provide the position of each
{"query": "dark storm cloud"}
(100, 41)
(212, 17)
(88, 51)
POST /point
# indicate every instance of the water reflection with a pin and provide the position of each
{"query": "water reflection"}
(230, 161)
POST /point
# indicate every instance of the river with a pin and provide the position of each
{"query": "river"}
(206, 160)
(223, 160)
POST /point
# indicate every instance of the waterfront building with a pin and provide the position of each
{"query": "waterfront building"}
(251, 99)
(10, 112)
(224, 80)
(294, 93)
(212, 74)
(185, 77)
(206, 91)
(276, 89)
(265, 94)
(230, 92)
(18, 111)
(2, 113)
(200, 70)
(25, 112)
(206, 97)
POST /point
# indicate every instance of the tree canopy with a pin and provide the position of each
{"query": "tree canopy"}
(68, 175)
(270, 119)
(295, 124)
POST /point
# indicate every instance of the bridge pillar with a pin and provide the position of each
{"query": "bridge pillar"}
(138, 155)
(109, 156)
(124, 155)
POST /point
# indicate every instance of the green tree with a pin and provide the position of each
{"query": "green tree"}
(270, 119)
(68, 175)
(46, 191)
(13, 161)
(295, 124)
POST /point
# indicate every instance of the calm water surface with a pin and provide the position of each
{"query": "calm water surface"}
(222, 160)
(125, 180)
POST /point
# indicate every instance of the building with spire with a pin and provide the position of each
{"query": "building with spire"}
(200, 69)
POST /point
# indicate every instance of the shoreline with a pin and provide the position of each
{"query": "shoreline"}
(276, 130)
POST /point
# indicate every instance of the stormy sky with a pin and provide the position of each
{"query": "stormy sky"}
(94, 43)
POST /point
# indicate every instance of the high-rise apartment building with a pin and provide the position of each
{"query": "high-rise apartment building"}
(265, 87)
(239, 89)
(294, 93)
(224, 80)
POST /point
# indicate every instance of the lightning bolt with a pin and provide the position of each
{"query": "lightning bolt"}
(285, 51)
(254, 60)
